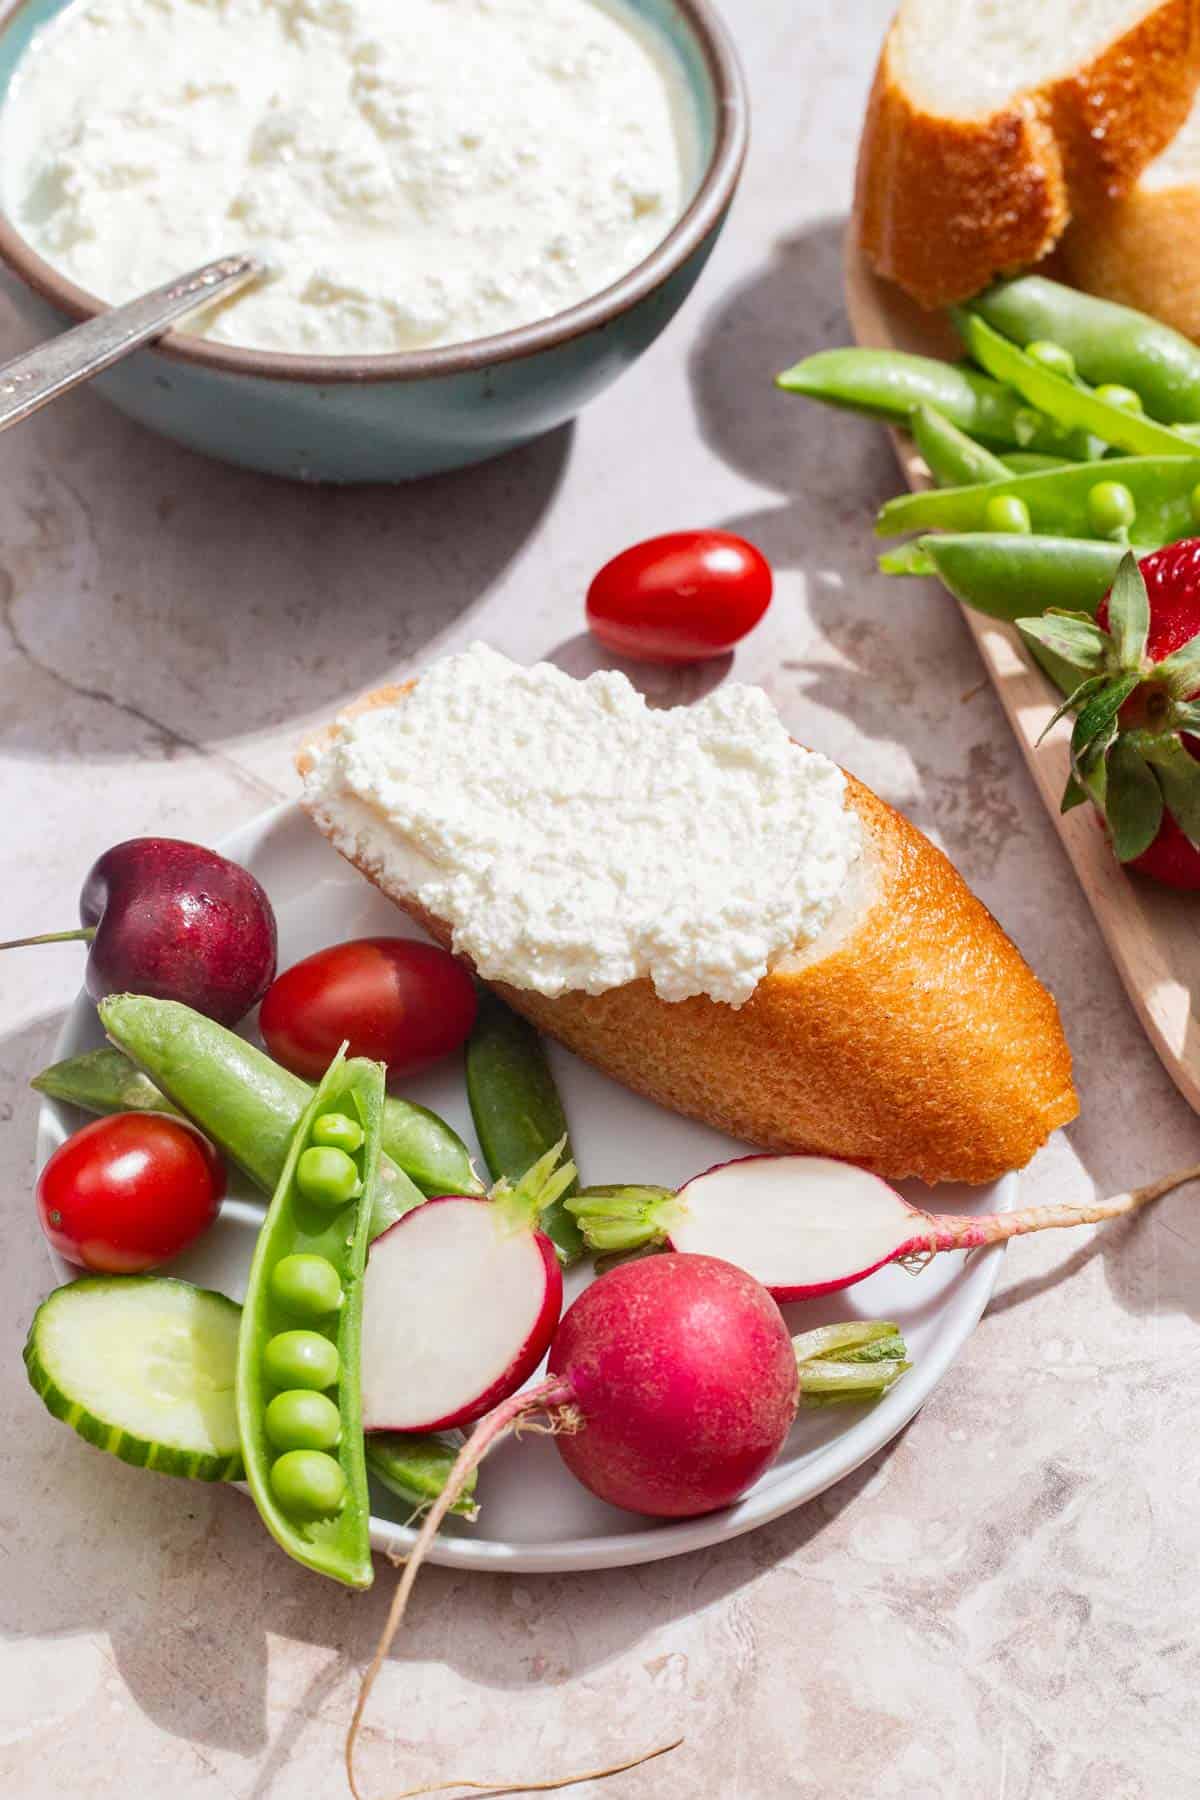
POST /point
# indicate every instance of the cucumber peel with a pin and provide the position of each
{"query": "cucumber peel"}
(143, 1366)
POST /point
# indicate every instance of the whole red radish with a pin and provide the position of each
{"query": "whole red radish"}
(672, 1386)
(460, 1300)
(809, 1225)
(175, 921)
(129, 1192)
(1135, 748)
(680, 598)
(683, 1374)
(396, 1000)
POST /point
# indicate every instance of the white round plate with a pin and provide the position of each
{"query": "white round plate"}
(533, 1516)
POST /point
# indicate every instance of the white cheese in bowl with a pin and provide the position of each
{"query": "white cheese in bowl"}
(574, 839)
(416, 172)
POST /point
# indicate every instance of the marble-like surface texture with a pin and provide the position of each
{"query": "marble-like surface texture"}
(1003, 1604)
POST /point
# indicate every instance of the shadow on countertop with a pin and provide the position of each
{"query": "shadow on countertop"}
(197, 603)
(181, 1579)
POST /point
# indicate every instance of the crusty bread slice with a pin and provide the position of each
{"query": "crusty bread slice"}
(912, 1038)
(1144, 248)
(991, 124)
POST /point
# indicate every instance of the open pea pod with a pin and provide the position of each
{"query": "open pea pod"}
(1161, 487)
(298, 1375)
(1069, 403)
(1109, 342)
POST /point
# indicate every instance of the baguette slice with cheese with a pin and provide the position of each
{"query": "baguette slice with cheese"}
(992, 122)
(1144, 248)
(911, 1037)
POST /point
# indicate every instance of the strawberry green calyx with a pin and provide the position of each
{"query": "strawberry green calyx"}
(1131, 715)
(622, 1219)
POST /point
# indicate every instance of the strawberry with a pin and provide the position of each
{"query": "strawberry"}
(1135, 748)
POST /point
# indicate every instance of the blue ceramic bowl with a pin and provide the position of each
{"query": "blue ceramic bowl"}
(392, 418)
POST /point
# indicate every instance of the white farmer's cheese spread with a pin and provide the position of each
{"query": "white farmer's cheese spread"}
(416, 172)
(575, 839)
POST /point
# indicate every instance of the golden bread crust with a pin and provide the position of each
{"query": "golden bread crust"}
(921, 1045)
(943, 204)
(1143, 251)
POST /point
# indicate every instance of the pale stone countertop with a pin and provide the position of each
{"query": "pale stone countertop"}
(1000, 1607)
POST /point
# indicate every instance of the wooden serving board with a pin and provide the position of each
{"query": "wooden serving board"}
(1152, 932)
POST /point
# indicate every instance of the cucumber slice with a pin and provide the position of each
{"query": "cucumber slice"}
(143, 1366)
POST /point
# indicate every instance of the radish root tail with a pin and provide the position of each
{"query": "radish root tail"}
(996, 1228)
(546, 1397)
(491, 1790)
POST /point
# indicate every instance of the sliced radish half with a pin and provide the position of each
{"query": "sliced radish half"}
(807, 1225)
(458, 1310)
(802, 1225)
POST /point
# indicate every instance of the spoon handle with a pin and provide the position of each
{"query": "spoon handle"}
(61, 363)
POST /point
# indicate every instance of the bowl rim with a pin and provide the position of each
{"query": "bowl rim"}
(689, 231)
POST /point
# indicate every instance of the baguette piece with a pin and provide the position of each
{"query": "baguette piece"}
(1143, 249)
(991, 124)
(911, 1037)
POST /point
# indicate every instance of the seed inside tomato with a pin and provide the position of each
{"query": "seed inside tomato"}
(681, 598)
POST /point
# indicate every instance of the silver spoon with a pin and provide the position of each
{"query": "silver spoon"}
(61, 363)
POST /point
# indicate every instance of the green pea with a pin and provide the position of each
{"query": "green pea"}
(308, 1483)
(1006, 512)
(327, 1177)
(1052, 356)
(306, 1286)
(1110, 508)
(298, 1419)
(300, 1359)
(337, 1130)
(1124, 398)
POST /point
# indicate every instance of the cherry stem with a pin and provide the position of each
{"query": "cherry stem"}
(84, 935)
(950, 1233)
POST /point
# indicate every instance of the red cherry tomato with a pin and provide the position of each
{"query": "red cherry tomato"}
(681, 598)
(403, 1003)
(129, 1192)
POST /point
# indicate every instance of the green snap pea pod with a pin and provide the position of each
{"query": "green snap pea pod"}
(416, 1468)
(1012, 577)
(1109, 343)
(1057, 500)
(1031, 462)
(102, 1081)
(416, 1140)
(907, 559)
(1072, 405)
(891, 384)
(249, 1105)
(430, 1153)
(517, 1110)
(953, 459)
(298, 1387)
